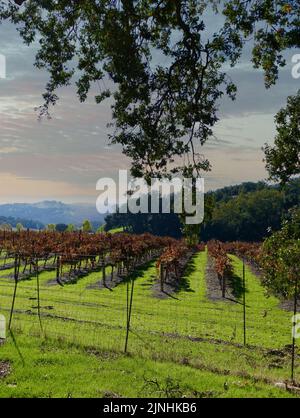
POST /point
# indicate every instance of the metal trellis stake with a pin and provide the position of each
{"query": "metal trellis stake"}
(129, 310)
(38, 294)
(294, 331)
(16, 276)
(244, 300)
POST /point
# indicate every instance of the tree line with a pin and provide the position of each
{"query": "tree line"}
(246, 212)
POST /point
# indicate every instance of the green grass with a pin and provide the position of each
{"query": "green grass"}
(116, 230)
(58, 369)
(187, 342)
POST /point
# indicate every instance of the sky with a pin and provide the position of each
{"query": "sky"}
(62, 158)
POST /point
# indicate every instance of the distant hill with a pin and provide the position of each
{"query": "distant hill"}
(247, 211)
(25, 222)
(250, 211)
(228, 192)
(48, 212)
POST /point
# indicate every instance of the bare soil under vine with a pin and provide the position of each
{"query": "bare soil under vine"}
(213, 285)
(4, 368)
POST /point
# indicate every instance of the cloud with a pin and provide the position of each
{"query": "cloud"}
(253, 97)
(65, 156)
(15, 189)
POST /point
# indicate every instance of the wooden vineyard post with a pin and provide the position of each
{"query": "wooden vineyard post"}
(57, 267)
(112, 272)
(104, 275)
(223, 285)
(244, 300)
(129, 310)
(161, 276)
(294, 330)
(58, 271)
(16, 276)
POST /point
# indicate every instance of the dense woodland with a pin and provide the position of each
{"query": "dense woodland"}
(249, 211)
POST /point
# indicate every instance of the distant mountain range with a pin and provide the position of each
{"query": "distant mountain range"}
(52, 212)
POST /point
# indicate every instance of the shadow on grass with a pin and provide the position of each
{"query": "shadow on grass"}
(80, 274)
(184, 282)
(17, 347)
(137, 273)
(7, 266)
(235, 283)
(169, 294)
(27, 275)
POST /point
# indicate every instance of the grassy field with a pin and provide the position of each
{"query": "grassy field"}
(179, 345)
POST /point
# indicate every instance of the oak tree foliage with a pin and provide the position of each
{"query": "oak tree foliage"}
(159, 62)
(283, 159)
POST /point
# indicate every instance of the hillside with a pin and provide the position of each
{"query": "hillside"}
(247, 211)
(250, 211)
(25, 222)
(48, 212)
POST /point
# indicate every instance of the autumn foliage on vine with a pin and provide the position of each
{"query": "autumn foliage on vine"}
(222, 262)
(81, 251)
(249, 251)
